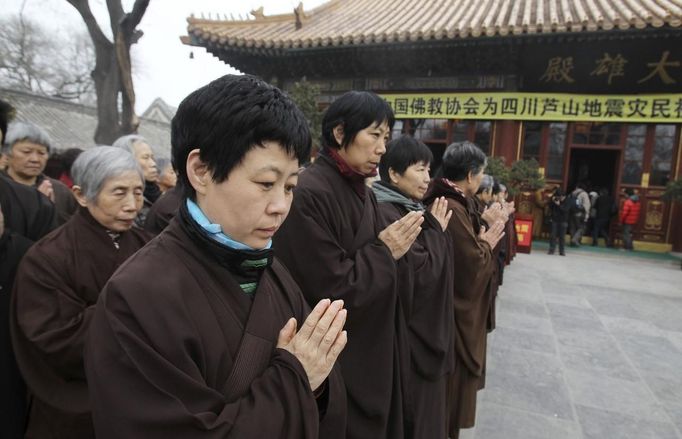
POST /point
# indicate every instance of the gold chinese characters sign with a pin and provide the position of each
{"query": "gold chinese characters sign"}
(665, 108)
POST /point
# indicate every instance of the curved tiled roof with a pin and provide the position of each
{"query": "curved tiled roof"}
(357, 22)
(72, 125)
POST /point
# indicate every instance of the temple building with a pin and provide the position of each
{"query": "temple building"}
(591, 89)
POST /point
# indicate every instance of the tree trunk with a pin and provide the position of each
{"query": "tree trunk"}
(112, 74)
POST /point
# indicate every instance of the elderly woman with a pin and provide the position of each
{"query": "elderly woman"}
(57, 286)
(336, 242)
(473, 244)
(199, 329)
(143, 153)
(28, 147)
(425, 276)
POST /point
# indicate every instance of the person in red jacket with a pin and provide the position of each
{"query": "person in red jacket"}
(629, 216)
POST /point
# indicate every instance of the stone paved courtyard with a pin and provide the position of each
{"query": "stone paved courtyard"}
(587, 346)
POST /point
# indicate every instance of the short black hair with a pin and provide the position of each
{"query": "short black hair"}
(460, 158)
(401, 153)
(6, 114)
(227, 118)
(355, 111)
(629, 191)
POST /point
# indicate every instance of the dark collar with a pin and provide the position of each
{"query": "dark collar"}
(353, 177)
(245, 263)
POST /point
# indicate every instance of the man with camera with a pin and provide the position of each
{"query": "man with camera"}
(559, 220)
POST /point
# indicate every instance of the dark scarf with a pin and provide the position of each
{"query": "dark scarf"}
(387, 193)
(247, 266)
(354, 178)
(151, 191)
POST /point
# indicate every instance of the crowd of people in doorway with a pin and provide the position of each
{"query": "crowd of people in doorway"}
(590, 213)
(144, 308)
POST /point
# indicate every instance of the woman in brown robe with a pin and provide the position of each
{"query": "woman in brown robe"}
(336, 243)
(425, 276)
(463, 165)
(195, 336)
(57, 286)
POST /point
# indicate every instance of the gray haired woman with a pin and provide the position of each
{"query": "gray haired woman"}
(27, 147)
(58, 283)
(143, 153)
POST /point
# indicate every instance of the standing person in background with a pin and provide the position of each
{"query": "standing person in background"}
(605, 208)
(559, 211)
(336, 242)
(28, 147)
(143, 153)
(579, 208)
(57, 286)
(629, 217)
(425, 276)
(463, 166)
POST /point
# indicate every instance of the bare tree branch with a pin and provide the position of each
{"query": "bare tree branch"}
(36, 60)
(83, 8)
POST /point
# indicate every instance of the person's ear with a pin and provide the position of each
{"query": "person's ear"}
(197, 172)
(338, 134)
(393, 176)
(79, 195)
(470, 176)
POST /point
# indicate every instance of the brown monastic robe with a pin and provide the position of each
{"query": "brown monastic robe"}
(178, 350)
(511, 238)
(53, 301)
(29, 216)
(478, 222)
(475, 265)
(163, 210)
(425, 281)
(329, 243)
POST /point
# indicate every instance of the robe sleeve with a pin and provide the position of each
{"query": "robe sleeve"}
(310, 248)
(146, 379)
(51, 316)
(470, 250)
(429, 251)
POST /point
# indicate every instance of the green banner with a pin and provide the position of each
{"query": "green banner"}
(665, 108)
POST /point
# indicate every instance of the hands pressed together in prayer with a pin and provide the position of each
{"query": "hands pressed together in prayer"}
(509, 207)
(319, 342)
(439, 209)
(495, 213)
(494, 234)
(400, 235)
(45, 187)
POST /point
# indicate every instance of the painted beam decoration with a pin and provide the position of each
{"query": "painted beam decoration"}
(659, 108)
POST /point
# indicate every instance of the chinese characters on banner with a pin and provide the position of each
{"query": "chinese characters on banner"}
(538, 106)
(524, 235)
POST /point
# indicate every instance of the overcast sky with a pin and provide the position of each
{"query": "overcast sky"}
(161, 63)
